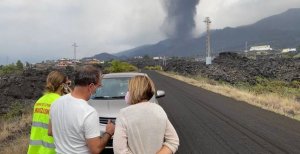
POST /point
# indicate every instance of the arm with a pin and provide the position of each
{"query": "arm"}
(50, 128)
(171, 140)
(97, 144)
(91, 129)
(165, 150)
(120, 144)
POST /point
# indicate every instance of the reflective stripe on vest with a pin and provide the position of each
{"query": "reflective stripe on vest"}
(40, 142)
(36, 149)
(39, 124)
(37, 134)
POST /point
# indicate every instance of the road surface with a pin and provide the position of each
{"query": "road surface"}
(210, 123)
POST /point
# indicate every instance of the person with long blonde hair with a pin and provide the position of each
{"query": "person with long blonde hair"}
(143, 127)
(57, 84)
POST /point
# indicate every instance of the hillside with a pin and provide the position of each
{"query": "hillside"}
(280, 31)
(103, 57)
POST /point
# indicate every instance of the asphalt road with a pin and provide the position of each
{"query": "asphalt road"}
(210, 123)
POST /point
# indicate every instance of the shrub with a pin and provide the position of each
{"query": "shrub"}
(19, 65)
(16, 110)
(12, 68)
(118, 66)
(8, 69)
(265, 86)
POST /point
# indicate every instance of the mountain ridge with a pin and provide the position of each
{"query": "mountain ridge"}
(280, 31)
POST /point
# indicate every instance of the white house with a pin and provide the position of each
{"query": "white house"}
(261, 48)
(289, 50)
(157, 58)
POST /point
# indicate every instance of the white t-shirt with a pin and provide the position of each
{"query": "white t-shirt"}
(73, 121)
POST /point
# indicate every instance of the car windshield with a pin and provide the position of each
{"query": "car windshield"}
(112, 88)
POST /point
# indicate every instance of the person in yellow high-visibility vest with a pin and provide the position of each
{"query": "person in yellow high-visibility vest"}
(57, 84)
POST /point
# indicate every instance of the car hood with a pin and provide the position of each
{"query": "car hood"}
(108, 108)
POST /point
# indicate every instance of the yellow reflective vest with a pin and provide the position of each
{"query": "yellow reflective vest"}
(40, 142)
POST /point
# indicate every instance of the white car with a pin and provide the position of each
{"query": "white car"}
(109, 99)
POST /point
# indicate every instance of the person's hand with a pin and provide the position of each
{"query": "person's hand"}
(110, 127)
(164, 150)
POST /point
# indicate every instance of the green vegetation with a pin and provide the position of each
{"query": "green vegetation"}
(17, 109)
(297, 56)
(12, 68)
(118, 66)
(157, 67)
(19, 65)
(15, 128)
(265, 86)
(288, 55)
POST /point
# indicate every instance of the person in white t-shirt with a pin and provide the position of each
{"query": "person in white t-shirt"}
(74, 124)
(143, 127)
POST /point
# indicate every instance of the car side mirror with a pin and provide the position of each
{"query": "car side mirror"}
(160, 93)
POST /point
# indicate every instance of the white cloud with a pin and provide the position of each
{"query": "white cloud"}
(48, 27)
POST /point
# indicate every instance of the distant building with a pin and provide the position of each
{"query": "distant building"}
(261, 48)
(289, 50)
(158, 58)
(138, 57)
(64, 62)
(93, 61)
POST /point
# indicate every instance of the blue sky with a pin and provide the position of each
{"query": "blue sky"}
(34, 30)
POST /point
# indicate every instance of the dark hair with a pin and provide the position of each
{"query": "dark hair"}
(86, 75)
(54, 80)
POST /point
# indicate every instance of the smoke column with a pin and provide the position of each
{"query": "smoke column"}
(179, 23)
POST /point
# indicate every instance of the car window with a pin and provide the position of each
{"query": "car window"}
(112, 88)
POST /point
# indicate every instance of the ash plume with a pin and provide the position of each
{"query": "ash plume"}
(179, 22)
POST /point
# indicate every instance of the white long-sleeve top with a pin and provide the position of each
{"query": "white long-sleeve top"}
(143, 128)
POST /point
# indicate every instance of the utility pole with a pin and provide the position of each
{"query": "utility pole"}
(208, 51)
(75, 46)
(246, 46)
(164, 61)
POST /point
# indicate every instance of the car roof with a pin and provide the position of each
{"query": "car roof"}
(125, 74)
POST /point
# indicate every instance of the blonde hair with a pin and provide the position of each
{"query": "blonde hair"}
(140, 88)
(55, 79)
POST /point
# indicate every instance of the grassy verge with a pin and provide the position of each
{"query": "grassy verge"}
(284, 104)
(14, 131)
(18, 145)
